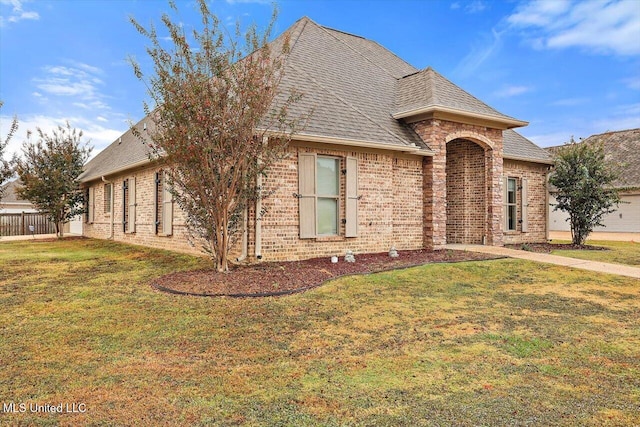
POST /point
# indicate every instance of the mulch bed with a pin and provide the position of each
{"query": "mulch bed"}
(284, 278)
(546, 248)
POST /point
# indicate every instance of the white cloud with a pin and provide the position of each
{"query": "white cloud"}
(80, 82)
(99, 135)
(17, 12)
(539, 13)
(475, 6)
(480, 53)
(550, 139)
(632, 82)
(602, 26)
(621, 118)
(570, 102)
(509, 91)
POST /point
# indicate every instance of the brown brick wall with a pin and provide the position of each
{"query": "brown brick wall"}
(389, 212)
(536, 175)
(145, 215)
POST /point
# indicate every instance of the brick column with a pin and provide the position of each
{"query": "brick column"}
(434, 185)
(495, 208)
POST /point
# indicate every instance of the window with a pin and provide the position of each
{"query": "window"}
(163, 206)
(328, 185)
(516, 202)
(107, 198)
(322, 195)
(511, 204)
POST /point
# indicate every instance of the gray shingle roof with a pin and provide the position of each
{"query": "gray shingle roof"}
(428, 89)
(518, 147)
(353, 86)
(123, 153)
(348, 82)
(623, 149)
(10, 195)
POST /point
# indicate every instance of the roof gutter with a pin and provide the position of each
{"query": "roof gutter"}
(115, 171)
(411, 149)
(528, 159)
(440, 109)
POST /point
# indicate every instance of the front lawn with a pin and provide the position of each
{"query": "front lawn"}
(627, 253)
(503, 342)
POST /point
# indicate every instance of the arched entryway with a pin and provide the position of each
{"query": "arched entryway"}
(466, 192)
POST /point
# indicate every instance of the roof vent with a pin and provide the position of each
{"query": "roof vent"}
(144, 126)
(120, 140)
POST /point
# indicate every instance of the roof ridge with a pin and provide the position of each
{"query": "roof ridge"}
(614, 131)
(348, 104)
(302, 21)
(343, 32)
(327, 30)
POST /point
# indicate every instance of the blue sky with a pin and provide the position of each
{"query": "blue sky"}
(569, 68)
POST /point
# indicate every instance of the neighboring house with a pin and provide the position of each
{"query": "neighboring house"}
(11, 203)
(392, 156)
(621, 148)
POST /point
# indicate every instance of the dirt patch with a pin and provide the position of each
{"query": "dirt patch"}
(282, 278)
(548, 247)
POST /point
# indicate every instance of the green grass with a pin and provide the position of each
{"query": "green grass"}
(627, 253)
(504, 342)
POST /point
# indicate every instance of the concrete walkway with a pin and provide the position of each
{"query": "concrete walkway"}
(601, 267)
(33, 237)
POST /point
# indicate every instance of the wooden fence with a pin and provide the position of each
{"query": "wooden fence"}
(18, 224)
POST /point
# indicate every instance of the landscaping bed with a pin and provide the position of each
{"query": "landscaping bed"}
(282, 278)
(550, 247)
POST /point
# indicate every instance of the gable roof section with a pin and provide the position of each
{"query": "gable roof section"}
(622, 148)
(427, 92)
(517, 147)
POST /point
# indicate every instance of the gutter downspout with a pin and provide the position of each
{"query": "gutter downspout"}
(112, 210)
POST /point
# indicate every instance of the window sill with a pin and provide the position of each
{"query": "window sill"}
(329, 238)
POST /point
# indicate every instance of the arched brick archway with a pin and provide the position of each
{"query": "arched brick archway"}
(466, 191)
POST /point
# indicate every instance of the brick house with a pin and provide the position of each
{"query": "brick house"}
(392, 156)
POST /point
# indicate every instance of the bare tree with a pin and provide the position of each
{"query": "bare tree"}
(49, 170)
(219, 119)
